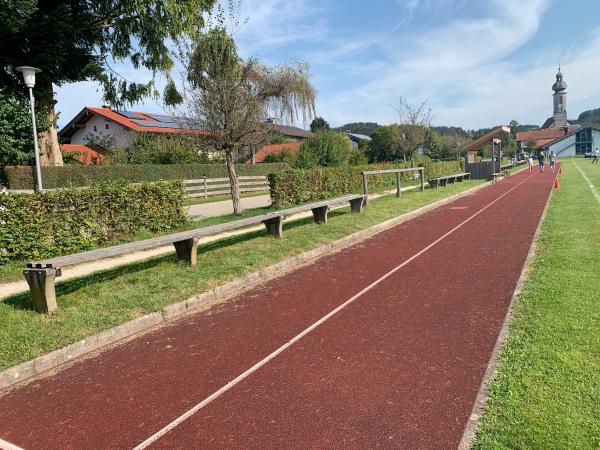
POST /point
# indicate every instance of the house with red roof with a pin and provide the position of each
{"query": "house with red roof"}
(98, 124)
(276, 149)
(106, 124)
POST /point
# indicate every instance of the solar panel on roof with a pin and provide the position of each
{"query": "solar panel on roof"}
(149, 123)
(161, 117)
(130, 115)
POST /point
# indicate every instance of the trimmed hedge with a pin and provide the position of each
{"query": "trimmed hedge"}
(43, 225)
(22, 177)
(300, 186)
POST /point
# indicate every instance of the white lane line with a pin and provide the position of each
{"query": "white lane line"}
(590, 184)
(4, 445)
(281, 349)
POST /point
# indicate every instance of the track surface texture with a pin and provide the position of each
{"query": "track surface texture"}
(399, 367)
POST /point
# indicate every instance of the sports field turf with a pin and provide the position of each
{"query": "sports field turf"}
(547, 390)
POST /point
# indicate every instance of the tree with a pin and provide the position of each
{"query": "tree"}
(16, 138)
(231, 98)
(326, 148)
(434, 145)
(319, 124)
(74, 40)
(385, 144)
(415, 122)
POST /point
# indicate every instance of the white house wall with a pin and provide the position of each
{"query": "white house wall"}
(120, 134)
(595, 139)
(564, 148)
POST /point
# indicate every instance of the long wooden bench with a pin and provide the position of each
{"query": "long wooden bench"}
(40, 275)
(445, 180)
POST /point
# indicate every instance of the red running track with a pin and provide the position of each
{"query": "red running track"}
(398, 367)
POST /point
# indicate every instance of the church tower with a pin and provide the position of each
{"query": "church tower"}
(560, 101)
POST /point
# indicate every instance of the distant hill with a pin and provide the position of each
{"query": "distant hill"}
(366, 128)
(589, 118)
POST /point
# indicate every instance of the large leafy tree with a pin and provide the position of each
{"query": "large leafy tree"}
(77, 40)
(319, 124)
(16, 139)
(231, 97)
(325, 148)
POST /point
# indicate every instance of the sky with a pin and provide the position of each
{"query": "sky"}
(477, 63)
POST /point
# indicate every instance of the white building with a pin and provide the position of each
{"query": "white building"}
(576, 143)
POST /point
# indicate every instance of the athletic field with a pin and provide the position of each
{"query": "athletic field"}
(384, 344)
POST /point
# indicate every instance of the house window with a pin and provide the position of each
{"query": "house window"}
(95, 128)
(106, 126)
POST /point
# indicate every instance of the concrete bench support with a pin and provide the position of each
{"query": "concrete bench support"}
(356, 204)
(275, 226)
(187, 251)
(320, 214)
(41, 285)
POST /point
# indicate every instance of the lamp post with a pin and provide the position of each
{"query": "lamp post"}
(29, 78)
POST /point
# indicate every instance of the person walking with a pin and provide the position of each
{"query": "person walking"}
(596, 155)
(530, 162)
(552, 159)
(541, 160)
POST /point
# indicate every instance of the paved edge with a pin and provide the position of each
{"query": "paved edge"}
(474, 421)
(50, 362)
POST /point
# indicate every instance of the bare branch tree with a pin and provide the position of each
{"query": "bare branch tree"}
(231, 98)
(415, 121)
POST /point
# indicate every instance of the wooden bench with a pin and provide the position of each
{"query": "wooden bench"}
(40, 275)
(445, 180)
(495, 176)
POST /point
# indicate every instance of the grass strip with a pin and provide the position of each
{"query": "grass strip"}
(105, 299)
(547, 390)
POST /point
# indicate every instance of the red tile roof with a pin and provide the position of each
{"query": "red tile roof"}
(87, 155)
(276, 149)
(126, 122)
(548, 133)
(86, 113)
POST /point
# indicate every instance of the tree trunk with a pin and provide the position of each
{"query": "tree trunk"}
(50, 154)
(233, 181)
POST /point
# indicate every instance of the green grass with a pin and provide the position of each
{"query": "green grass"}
(96, 302)
(13, 271)
(547, 390)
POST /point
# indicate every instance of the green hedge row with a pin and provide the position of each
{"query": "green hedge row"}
(299, 186)
(42, 225)
(22, 177)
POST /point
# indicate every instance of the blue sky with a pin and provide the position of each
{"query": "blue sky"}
(478, 63)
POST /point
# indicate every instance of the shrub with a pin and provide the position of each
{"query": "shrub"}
(300, 186)
(22, 177)
(148, 148)
(325, 148)
(66, 221)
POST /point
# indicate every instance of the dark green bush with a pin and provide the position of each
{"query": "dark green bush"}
(22, 177)
(34, 226)
(300, 186)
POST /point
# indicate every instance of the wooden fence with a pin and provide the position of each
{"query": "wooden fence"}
(205, 187)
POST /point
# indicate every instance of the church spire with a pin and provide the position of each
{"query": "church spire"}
(560, 101)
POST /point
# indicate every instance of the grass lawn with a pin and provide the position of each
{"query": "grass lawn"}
(547, 390)
(93, 303)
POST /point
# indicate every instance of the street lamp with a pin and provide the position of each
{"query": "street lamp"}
(29, 78)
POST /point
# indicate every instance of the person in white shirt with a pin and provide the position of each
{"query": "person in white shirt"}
(552, 158)
(530, 162)
(596, 155)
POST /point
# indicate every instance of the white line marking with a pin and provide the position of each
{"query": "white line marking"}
(590, 184)
(281, 349)
(4, 445)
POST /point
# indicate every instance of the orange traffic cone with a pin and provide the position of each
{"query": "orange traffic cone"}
(556, 183)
